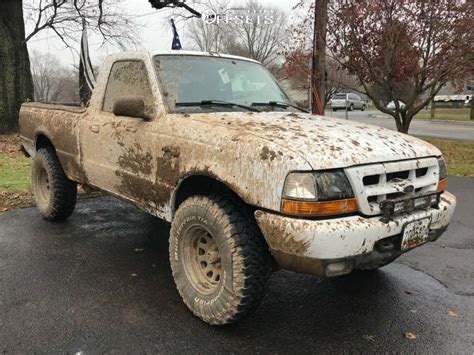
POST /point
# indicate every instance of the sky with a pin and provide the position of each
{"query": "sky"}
(155, 34)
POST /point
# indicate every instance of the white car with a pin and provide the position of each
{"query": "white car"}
(391, 105)
(349, 101)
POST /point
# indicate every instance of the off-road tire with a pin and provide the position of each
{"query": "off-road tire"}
(55, 194)
(245, 262)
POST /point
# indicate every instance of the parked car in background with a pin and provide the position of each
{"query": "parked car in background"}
(391, 105)
(351, 101)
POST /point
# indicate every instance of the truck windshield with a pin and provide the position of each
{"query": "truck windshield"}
(203, 83)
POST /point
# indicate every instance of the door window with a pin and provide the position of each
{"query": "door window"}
(127, 78)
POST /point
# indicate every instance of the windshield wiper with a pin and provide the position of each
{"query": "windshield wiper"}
(215, 103)
(279, 104)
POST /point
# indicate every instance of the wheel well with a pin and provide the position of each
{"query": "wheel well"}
(42, 141)
(202, 185)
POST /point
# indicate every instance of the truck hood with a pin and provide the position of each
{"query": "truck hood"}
(324, 142)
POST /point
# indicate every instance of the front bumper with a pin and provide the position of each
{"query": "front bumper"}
(311, 246)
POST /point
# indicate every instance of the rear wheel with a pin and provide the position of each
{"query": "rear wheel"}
(55, 194)
(220, 261)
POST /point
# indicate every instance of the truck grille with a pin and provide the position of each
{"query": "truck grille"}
(377, 182)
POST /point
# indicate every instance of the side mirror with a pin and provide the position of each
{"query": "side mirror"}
(130, 106)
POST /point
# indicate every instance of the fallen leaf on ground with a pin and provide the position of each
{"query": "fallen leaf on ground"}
(410, 336)
(138, 249)
(134, 275)
(369, 337)
(453, 314)
(408, 292)
(3, 209)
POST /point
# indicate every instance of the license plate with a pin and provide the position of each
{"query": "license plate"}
(415, 233)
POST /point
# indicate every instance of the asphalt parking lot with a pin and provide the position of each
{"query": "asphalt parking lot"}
(101, 283)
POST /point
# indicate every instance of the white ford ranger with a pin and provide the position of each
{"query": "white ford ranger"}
(248, 181)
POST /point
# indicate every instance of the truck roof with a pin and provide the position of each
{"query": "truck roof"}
(141, 54)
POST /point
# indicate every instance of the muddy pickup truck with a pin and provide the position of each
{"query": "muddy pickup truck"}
(248, 181)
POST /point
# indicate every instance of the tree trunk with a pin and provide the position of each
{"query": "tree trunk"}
(319, 53)
(16, 84)
(405, 123)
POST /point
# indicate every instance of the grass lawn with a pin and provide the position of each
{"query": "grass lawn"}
(15, 173)
(459, 155)
(456, 114)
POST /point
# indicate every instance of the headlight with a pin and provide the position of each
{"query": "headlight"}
(318, 194)
(300, 186)
(443, 175)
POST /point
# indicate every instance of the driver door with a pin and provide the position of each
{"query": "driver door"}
(118, 151)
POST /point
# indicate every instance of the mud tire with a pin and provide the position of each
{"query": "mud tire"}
(55, 194)
(245, 262)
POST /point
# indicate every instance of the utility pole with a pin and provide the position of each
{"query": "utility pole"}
(318, 72)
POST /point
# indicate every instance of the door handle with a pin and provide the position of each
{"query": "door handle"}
(95, 128)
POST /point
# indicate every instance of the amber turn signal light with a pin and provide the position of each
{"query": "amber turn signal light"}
(442, 185)
(318, 208)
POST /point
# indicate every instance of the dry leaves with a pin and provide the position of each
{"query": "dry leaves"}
(410, 335)
(9, 144)
(453, 314)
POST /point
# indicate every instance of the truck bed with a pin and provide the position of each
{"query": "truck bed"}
(57, 124)
(69, 107)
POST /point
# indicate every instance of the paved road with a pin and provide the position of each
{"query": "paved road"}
(69, 287)
(435, 129)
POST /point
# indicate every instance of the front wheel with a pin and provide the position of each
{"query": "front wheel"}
(220, 262)
(55, 194)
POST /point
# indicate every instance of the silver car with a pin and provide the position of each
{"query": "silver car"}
(351, 101)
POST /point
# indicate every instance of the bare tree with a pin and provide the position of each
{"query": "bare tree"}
(46, 71)
(62, 18)
(259, 38)
(253, 30)
(209, 37)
